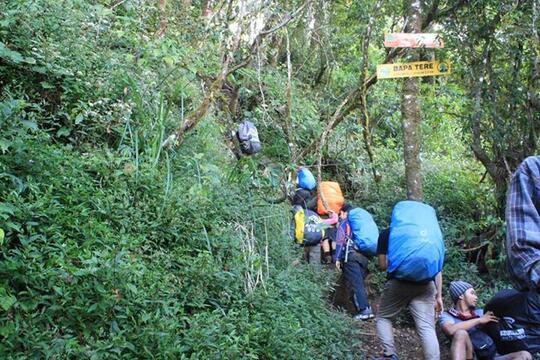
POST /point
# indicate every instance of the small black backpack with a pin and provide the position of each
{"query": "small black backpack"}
(248, 136)
(483, 345)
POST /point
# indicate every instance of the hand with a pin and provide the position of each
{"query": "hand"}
(488, 317)
(439, 306)
(338, 264)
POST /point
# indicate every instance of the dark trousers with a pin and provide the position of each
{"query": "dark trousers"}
(355, 270)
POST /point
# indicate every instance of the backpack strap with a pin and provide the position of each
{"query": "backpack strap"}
(299, 222)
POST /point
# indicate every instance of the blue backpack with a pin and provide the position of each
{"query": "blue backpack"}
(416, 246)
(365, 231)
(306, 180)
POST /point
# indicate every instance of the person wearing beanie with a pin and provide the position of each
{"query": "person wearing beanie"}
(457, 289)
(354, 265)
(463, 324)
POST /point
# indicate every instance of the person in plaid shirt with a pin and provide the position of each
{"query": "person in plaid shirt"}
(523, 226)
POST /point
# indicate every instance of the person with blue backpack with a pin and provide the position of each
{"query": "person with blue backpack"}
(412, 253)
(304, 195)
(356, 239)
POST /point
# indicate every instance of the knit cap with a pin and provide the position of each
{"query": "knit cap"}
(458, 288)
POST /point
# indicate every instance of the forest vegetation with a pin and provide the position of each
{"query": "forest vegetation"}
(132, 227)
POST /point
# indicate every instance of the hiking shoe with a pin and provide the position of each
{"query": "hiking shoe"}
(384, 357)
(365, 314)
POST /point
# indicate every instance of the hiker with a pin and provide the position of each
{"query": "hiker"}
(523, 226)
(305, 198)
(464, 323)
(307, 229)
(305, 194)
(333, 198)
(412, 252)
(353, 262)
(523, 252)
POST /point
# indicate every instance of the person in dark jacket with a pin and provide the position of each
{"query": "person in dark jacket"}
(354, 265)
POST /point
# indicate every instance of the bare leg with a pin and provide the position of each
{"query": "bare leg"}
(520, 355)
(461, 348)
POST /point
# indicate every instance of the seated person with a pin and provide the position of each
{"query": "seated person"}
(519, 325)
(463, 322)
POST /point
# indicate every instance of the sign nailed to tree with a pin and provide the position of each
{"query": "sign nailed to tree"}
(413, 40)
(413, 69)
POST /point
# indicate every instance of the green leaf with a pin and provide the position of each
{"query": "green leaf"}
(6, 300)
(169, 60)
(6, 208)
(10, 55)
(46, 85)
(63, 131)
(79, 119)
(7, 329)
(114, 327)
(2, 236)
(132, 288)
(29, 124)
(4, 145)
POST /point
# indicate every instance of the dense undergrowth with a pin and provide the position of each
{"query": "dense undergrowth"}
(104, 260)
(112, 246)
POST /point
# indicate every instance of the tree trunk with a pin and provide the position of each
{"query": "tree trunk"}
(412, 116)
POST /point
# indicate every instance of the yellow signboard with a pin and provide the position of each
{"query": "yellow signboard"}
(413, 69)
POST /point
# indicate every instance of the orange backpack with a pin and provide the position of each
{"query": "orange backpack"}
(333, 196)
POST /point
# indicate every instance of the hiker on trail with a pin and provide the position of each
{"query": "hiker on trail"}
(464, 324)
(412, 252)
(354, 262)
(329, 197)
(305, 194)
(307, 230)
(307, 199)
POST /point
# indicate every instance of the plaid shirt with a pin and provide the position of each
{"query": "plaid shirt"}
(523, 225)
